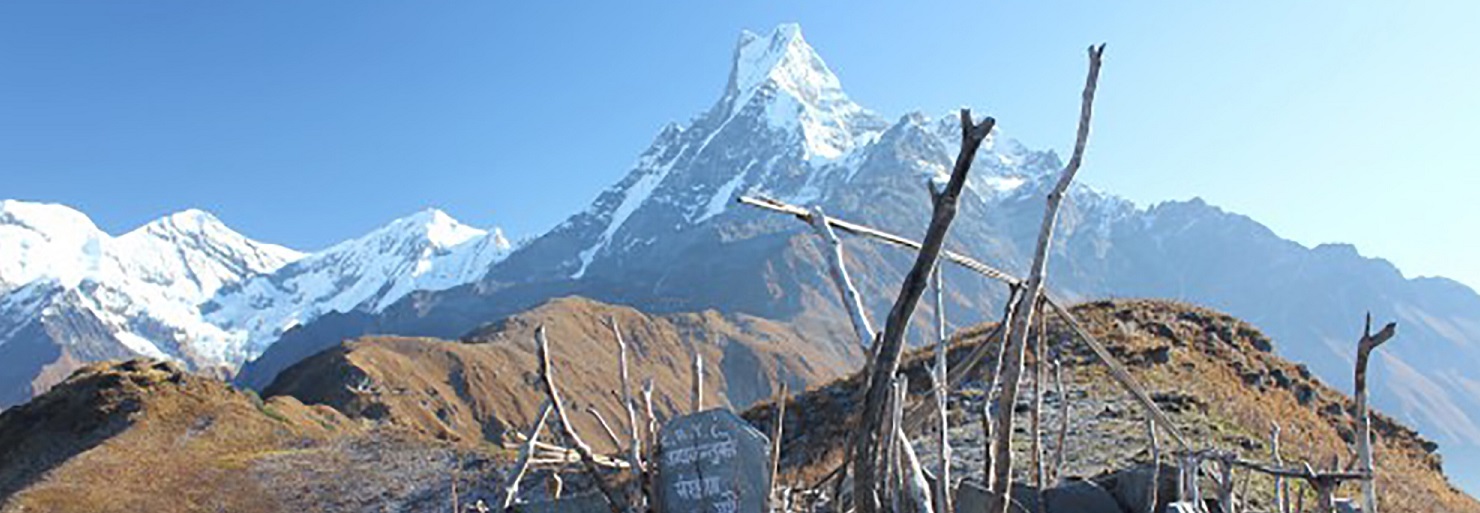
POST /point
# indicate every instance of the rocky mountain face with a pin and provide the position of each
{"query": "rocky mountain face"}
(187, 288)
(670, 237)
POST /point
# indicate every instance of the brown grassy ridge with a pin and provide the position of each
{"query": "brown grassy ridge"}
(1216, 375)
(471, 391)
(146, 436)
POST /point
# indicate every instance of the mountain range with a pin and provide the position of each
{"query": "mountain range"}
(669, 237)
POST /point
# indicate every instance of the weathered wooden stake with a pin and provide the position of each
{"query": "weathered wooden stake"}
(634, 449)
(1063, 437)
(1225, 483)
(698, 372)
(1036, 413)
(521, 465)
(777, 425)
(1365, 346)
(867, 445)
(852, 300)
(588, 458)
(989, 398)
(1281, 488)
(1017, 344)
(943, 482)
(605, 428)
(1154, 486)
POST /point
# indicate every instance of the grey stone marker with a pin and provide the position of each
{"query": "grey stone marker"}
(712, 462)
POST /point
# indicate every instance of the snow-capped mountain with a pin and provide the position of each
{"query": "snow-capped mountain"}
(188, 288)
(670, 237)
(426, 251)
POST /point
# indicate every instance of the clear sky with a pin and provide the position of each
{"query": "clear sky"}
(305, 123)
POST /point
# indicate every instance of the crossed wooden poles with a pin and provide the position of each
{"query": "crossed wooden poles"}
(883, 431)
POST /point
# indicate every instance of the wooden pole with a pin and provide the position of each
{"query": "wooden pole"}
(606, 428)
(943, 482)
(852, 300)
(1225, 483)
(588, 458)
(1365, 346)
(698, 373)
(1063, 436)
(777, 425)
(1281, 489)
(1154, 486)
(634, 449)
(511, 483)
(1017, 344)
(1036, 414)
(891, 344)
(891, 484)
(989, 398)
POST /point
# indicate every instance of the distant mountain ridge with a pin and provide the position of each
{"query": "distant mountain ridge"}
(669, 237)
(186, 287)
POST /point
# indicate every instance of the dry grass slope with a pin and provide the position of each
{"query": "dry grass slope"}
(1216, 375)
(471, 391)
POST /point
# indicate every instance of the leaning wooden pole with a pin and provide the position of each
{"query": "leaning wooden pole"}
(521, 466)
(1016, 345)
(634, 449)
(1365, 346)
(588, 457)
(852, 300)
(891, 345)
(943, 481)
(777, 425)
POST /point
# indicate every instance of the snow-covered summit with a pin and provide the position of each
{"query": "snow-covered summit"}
(428, 250)
(187, 255)
(187, 287)
(783, 77)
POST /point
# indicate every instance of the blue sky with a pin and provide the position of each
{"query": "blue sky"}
(308, 122)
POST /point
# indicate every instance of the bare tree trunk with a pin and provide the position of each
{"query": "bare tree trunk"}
(698, 399)
(1002, 467)
(852, 301)
(588, 458)
(652, 442)
(606, 428)
(1225, 483)
(511, 483)
(1036, 414)
(891, 345)
(777, 425)
(942, 400)
(891, 451)
(1063, 436)
(1368, 343)
(634, 449)
(1155, 484)
(1281, 489)
(989, 398)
